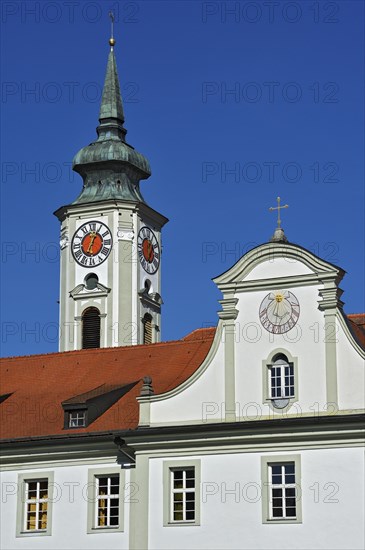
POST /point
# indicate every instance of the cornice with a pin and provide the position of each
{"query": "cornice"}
(270, 251)
(306, 432)
(276, 282)
(95, 208)
(109, 206)
(80, 292)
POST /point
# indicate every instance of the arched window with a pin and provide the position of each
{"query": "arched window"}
(147, 329)
(91, 328)
(281, 378)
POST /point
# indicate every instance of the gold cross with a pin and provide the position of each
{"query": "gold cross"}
(278, 208)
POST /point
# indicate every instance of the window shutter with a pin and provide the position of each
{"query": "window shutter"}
(147, 329)
(91, 328)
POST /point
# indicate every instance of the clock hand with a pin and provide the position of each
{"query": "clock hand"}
(150, 251)
(92, 239)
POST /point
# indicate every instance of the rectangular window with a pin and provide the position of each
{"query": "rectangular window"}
(36, 505)
(77, 419)
(282, 490)
(35, 498)
(182, 494)
(281, 380)
(107, 501)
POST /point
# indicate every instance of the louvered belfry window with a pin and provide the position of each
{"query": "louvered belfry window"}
(147, 329)
(91, 328)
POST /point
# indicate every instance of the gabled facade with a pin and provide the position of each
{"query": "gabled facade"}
(273, 430)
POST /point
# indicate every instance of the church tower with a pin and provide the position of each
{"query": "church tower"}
(110, 289)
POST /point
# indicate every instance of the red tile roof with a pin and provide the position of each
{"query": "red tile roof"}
(38, 384)
(95, 392)
(357, 326)
(358, 318)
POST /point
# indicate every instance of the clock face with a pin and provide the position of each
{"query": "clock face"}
(91, 244)
(148, 250)
(279, 311)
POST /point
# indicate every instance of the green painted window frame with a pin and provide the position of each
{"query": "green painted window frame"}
(266, 366)
(167, 491)
(266, 461)
(21, 504)
(92, 529)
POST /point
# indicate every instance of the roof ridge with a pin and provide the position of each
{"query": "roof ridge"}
(103, 350)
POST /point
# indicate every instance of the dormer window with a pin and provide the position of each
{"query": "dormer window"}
(82, 410)
(77, 419)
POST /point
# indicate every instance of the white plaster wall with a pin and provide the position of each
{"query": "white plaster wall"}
(333, 514)
(69, 515)
(190, 404)
(254, 344)
(278, 267)
(350, 373)
(72, 274)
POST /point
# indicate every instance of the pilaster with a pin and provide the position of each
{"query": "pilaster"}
(228, 316)
(329, 304)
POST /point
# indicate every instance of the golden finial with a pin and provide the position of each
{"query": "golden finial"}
(111, 39)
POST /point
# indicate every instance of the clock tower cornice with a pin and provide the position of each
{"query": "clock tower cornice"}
(103, 207)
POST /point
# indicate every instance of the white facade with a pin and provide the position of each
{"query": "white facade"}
(258, 470)
(329, 362)
(71, 501)
(246, 430)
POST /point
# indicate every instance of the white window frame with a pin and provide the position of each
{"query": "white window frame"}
(267, 365)
(93, 499)
(79, 414)
(183, 491)
(169, 467)
(267, 488)
(283, 486)
(24, 500)
(282, 389)
(107, 497)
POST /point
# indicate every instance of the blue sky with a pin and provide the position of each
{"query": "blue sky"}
(233, 103)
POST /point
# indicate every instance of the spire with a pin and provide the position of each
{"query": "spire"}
(109, 166)
(111, 116)
(111, 103)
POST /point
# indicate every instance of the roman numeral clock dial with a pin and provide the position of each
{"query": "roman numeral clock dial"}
(148, 250)
(91, 244)
(279, 311)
